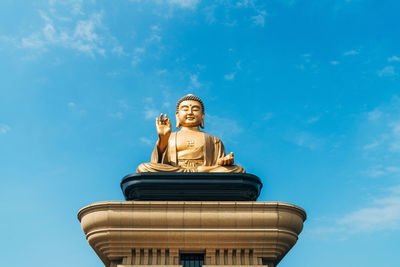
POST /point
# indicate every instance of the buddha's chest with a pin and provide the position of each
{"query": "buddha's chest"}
(189, 141)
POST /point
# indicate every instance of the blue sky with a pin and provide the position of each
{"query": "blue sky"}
(305, 93)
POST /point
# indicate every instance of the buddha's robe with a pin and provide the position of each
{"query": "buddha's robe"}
(201, 159)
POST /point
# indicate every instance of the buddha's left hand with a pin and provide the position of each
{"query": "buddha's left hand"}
(227, 160)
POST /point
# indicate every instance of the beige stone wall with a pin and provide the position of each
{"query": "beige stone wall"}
(154, 233)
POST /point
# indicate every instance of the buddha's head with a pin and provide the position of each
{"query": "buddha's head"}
(189, 112)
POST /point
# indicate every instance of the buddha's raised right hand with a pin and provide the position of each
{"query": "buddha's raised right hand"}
(163, 125)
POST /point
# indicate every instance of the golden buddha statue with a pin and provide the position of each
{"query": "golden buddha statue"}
(189, 149)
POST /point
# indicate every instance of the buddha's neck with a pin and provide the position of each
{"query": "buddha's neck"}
(190, 129)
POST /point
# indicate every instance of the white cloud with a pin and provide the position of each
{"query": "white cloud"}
(32, 41)
(4, 128)
(380, 157)
(71, 104)
(194, 81)
(162, 71)
(383, 130)
(75, 108)
(154, 39)
(210, 14)
(382, 170)
(81, 35)
(307, 140)
(313, 119)
(381, 214)
(268, 116)
(351, 53)
(85, 38)
(191, 4)
(334, 62)
(7, 40)
(371, 145)
(260, 18)
(49, 32)
(145, 140)
(155, 28)
(230, 76)
(139, 50)
(150, 113)
(395, 143)
(72, 6)
(374, 115)
(116, 115)
(394, 58)
(223, 128)
(123, 104)
(119, 50)
(387, 71)
(245, 3)
(85, 29)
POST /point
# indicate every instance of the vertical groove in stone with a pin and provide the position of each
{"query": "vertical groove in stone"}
(234, 262)
(251, 259)
(167, 260)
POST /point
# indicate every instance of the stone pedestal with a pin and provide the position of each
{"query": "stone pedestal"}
(157, 233)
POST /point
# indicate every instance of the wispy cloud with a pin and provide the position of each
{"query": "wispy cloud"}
(137, 55)
(307, 140)
(387, 71)
(313, 119)
(334, 62)
(116, 115)
(230, 76)
(382, 214)
(73, 107)
(260, 18)
(4, 128)
(371, 145)
(394, 58)
(374, 115)
(71, 104)
(380, 129)
(191, 4)
(67, 25)
(82, 35)
(383, 130)
(379, 214)
(143, 51)
(145, 140)
(223, 128)
(268, 116)
(150, 112)
(119, 50)
(380, 169)
(351, 53)
(194, 82)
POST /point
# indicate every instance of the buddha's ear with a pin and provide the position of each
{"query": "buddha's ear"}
(202, 121)
(178, 125)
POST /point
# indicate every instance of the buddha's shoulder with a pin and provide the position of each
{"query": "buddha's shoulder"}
(213, 138)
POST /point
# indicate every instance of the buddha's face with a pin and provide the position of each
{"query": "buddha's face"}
(189, 113)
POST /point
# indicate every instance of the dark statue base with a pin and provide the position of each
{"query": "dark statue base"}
(191, 186)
